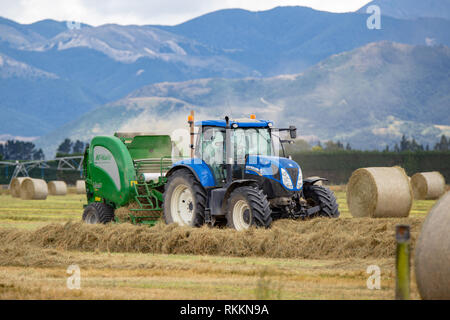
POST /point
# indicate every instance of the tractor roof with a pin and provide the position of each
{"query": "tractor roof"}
(242, 123)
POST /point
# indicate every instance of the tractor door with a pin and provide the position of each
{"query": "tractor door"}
(211, 149)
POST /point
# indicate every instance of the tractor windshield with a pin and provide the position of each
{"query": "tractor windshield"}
(251, 141)
(244, 141)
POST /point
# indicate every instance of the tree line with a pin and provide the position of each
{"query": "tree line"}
(69, 147)
(403, 145)
(25, 150)
(20, 150)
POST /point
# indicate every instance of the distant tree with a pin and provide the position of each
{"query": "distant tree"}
(333, 146)
(386, 149)
(404, 144)
(443, 144)
(317, 147)
(38, 155)
(427, 147)
(348, 147)
(396, 148)
(78, 147)
(65, 147)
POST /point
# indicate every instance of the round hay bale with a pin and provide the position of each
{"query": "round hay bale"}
(15, 186)
(81, 186)
(379, 192)
(33, 189)
(57, 188)
(428, 185)
(432, 258)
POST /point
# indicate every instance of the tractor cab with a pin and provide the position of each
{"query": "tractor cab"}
(247, 137)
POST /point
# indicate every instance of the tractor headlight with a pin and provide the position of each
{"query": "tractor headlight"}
(286, 179)
(299, 179)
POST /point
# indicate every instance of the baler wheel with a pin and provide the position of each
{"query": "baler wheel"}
(98, 212)
(248, 206)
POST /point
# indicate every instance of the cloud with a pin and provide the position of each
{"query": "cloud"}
(166, 12)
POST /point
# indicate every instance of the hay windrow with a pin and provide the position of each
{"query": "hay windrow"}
(428, 185)
(433, 253)
(315, 239)
(379, 192)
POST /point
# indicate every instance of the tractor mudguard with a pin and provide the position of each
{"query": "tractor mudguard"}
(235, 184)
(312, 181)
(198, 168)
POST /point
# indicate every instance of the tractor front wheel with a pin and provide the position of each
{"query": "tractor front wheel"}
(184, 200)
(248, 206)
(318, 195)
(98, 212)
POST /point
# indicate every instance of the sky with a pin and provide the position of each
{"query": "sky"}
(140, 12)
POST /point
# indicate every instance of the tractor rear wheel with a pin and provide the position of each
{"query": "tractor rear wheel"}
(318, 195)
(184, 200)
(98, 212)
(248, 206)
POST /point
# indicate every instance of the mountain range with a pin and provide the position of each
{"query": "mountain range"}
(368, 97)
(52, 73)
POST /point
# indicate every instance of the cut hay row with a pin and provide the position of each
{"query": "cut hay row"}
(315, 239)
(379, 192)
(428, 185)
(33, 189)
(57, 188)
(433, 253)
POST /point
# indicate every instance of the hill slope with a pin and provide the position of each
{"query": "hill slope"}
(368, 97)
(412, 9)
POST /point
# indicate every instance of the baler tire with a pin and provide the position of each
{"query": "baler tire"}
(325, 198)
(184, 176)
(260, 213)
(99, 212)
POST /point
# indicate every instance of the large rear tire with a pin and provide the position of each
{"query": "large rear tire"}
(184, 200)
(98, 212)
(248, 206)
(319, 195)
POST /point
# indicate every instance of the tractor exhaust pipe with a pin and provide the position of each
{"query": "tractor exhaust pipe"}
(191, 132)
(228, 155)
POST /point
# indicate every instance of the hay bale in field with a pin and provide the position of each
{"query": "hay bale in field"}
(57, 188)
(432, 258)
(428, 185)
(15, 186)
(81, 186)
(33, 189)
(379, 192)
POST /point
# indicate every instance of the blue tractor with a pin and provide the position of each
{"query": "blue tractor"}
(235, 178)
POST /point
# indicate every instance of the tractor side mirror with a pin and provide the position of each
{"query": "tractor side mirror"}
(293, 132)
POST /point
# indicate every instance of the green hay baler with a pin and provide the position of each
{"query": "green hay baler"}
(126, 170)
